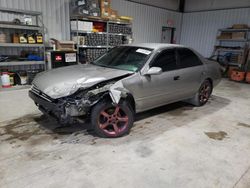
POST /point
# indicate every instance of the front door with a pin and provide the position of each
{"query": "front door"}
(157, 90)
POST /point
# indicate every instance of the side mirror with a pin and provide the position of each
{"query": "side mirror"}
(154, 71)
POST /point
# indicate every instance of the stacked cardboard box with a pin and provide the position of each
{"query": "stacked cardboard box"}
(94, 8)
(86, 7)
(3, 37)
(225, 35)
(106, 11)
(240, 26)
(239, 35)
(105, 8)
(80, 7)
(113, 14)
(81, 25)
(97, 8)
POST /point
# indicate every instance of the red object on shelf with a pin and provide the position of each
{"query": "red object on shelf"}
(99, 26)
(248, 77)
(238, 75)
(58, 58)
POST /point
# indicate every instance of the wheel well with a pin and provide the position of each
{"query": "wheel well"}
(210, 80)
(131, 101)
(129, 98)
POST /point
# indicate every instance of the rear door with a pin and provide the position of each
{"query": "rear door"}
(191, 71)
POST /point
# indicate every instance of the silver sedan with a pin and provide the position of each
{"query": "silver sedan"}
(126, 80)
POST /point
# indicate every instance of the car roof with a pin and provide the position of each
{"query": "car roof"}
(155, 46)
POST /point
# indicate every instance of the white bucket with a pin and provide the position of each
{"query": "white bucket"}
(5, 78)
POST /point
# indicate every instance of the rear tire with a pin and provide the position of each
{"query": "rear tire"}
(204, 93)
(112, 121)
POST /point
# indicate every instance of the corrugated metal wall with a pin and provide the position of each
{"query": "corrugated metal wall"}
(148, 21)
(197, 5)
(55, 14)
(199, 29)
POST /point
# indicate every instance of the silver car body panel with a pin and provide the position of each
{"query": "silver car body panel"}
(65, 81)
(148, 91)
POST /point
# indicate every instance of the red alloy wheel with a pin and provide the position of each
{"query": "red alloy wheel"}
(205, 92)
(113, 121)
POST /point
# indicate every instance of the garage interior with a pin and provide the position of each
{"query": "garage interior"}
(177, 145)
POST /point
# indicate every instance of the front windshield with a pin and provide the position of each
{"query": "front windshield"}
(124, 57)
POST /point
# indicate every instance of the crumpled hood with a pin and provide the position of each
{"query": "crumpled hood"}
(65, 81)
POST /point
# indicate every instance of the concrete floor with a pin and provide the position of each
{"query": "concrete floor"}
(173, 146)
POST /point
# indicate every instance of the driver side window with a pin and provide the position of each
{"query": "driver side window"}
(166, 60)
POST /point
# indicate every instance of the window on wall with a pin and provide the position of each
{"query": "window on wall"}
(187, 58)
(166, 60)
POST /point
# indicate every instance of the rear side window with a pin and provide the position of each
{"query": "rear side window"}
(166, 60)
(187, 58)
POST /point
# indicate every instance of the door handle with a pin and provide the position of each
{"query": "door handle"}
(177, 78)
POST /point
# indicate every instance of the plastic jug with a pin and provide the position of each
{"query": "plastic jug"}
(5, 78)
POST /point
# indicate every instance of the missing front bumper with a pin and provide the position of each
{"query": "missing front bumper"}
(64, 113)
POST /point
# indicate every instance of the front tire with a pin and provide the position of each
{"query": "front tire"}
(204, 93)
(112, 120)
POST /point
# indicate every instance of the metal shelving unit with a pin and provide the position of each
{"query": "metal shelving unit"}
(119, 34)
(15, 63)
(230, 50)
(91, 32)
(77, 32)
(9, 28)
(87, 32)
(23, 27)
(233, 30)
(233, 40)
(18, 11)
(233, 46)
(20, 45)
(85, 46)
(119, 22)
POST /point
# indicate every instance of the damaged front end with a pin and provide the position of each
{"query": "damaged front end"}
(77, 107)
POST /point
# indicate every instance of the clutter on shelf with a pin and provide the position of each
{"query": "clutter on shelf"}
(99, 9)
(236, 32)
(232, 51)
(242, 73)
(92, 54)
(62, 45)
(3, 37)
(20, 77)
(95, 34)
(22, 47)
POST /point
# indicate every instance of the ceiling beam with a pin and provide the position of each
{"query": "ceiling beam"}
(182, 6)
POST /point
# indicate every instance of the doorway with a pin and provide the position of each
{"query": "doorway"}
(167, 35)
